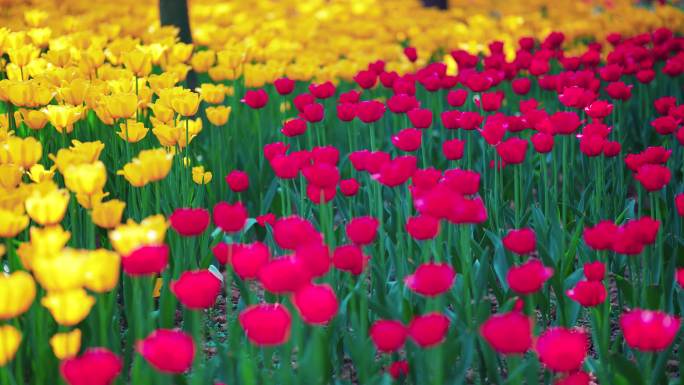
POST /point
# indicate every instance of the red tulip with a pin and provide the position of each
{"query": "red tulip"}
(508, 333)
(457, 98)
(429, 330)
(294, 127)
(397, 171)
(522, 241)
(224, 252)
(611, 148)
(679, 276)
(315, 257)
(370, 111)
(599, 109)
(491, 101)
(190, 222)
(388, 335)
(366, 79)
(561, 349)
(322, 175)
(577, 378)
(653, 176)
(271, 150)
(237, 180)
(399, 369)
(542, 142)
(255, 99)
(320, 195)
(350, 258)
(230, 218)
(420, 117)
(610, 72)
(284, 86)
(266, 324)
(602, 236)
(283, 275)
(197, 289)
(292, 232)
(322, 91)
(478, 82)
(346, 112)
(470, 120)
(588, 293)
(146, 260)
(619, 90)
(592, 145)
(565, 122)
(302, 100)
(594, 271)
(431, 279)
(665, 125)
(316, 304)
(649, 330)
(362, 230)
(96, 366)
(325, 154)
(422, 227)
(268, 218)
(168, 351)
(313, 112)
(529, 277)
(512, 150)
(408, 139)
(453, 149)
(411, 53)
(664, 104)
(679, 204)
(247, 260)
(349, 187)
(521, 86)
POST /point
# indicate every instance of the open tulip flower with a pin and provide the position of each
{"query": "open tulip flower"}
(341, 192)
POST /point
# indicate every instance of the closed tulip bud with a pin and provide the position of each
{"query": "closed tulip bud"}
(255, 99)
(362, 230)
(34, 119)
(66, 345)
(186, 104)
(96, 366)
(230, 218)
(101, 270)
(69, 307)
(349, 187)
(522, 241)
(238, 181)
(11, 338)
(156, 163)
(199, 176)
(168, 351)
(19, 289)
(218, 115)
(316, 304)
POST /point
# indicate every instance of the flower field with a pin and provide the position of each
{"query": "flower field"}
(342, 192)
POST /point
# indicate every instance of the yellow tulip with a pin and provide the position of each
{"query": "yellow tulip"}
(107, 215)
(87, 178)
(66, 345)
(180, 52)
(203, 60)
(12, 223)
(162, 81)
(10, 175)
(122, 105)
(88, 201)
(76, 93)
(132, 131)
(134, 173)
(78, 153)
(162, 112)
(68, 308)
(63, 117)
(102, 270)
(129, 236)
(187, 104)
(138, 61)
(11, 338)
(24, 152)
(213, 93)
(17, 292)
(21, 56)
(47, 206)
(34, 119)
(156, 163)
(64, 271)
(48, 241)
(37, 173)
(218, 115)
(200, 176)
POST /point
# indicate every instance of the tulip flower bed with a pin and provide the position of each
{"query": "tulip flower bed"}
(508, 211)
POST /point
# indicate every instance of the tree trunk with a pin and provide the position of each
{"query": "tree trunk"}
(175, 12)
(441, 4)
